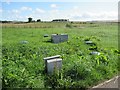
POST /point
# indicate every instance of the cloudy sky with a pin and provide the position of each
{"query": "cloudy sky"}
(48, 10)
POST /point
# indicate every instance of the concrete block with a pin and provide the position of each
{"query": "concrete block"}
(46, 35)
(90, 43)
(54, 64)
(94, 53)
(51, 63)
(24, 42)
(57, 38)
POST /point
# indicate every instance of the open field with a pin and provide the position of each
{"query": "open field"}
(23, 64)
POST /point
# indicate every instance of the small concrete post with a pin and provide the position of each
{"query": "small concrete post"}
(51, 63)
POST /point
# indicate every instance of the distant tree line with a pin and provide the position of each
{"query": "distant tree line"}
(56, 20)
(31, 20)
(60, 20)
(15, 22)
(5, 21)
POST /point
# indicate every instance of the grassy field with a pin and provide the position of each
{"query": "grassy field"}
(23, 64)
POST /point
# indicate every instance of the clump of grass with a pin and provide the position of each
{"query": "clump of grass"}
(68, 25)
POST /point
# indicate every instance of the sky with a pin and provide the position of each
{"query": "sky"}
(46, 10)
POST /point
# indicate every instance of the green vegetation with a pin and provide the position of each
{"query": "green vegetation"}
(23, 64)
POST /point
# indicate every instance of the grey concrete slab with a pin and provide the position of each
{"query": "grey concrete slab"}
(58, 38)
